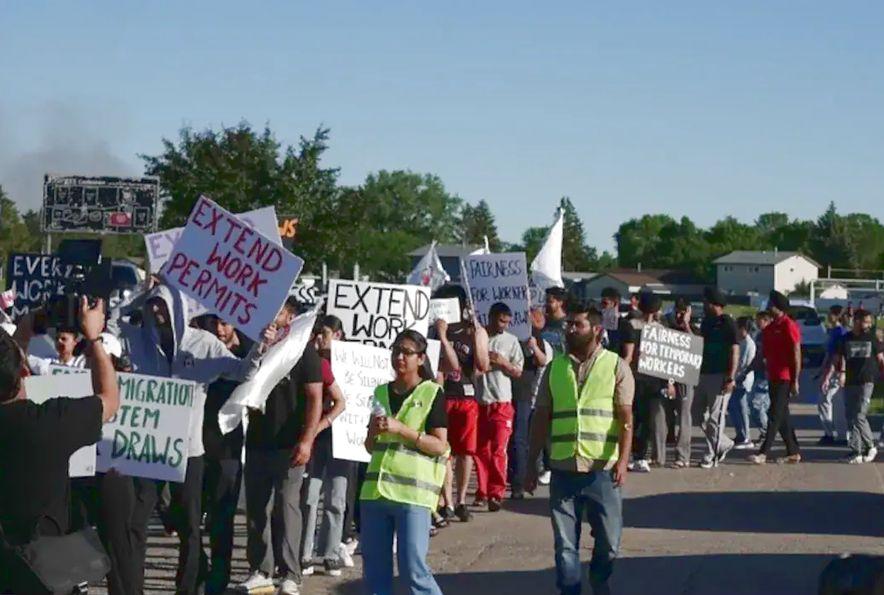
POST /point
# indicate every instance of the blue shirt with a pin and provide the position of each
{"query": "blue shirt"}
(836, 333)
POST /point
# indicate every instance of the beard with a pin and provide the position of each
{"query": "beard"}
(577, 342)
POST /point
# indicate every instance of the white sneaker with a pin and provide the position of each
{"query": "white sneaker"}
(747, 445)
(344, 556)
(307, 568)
(288, 587)
(642, 466)
(870, 457)
(544, 478)
(257, 580)
(351, 545)
(857, 460)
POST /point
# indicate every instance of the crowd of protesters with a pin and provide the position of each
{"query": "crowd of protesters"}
(568, 408)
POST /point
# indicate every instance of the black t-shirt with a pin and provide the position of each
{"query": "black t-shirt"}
(438, 417)
(860, 353)
(283, 419)
(223, 446)
(460, 384)
(36, 442)
(719, 337)
(623, 335)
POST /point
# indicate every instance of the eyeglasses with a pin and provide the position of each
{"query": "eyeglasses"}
(405, 351)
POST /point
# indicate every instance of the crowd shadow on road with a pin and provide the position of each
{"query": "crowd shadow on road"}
(818, 513)
(783, 574)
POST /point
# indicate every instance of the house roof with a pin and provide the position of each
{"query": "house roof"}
(653, 277)
(760, 257)
(446, 250)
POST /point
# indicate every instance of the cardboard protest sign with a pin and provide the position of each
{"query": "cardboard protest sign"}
(148, 435)
(448, 309)
(670, 354)
(234, 271)
(35, 278)
(160, 244)
(493, 278)
(42, 388)
(375, 313)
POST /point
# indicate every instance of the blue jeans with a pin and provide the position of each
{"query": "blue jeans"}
(573, 497)
(518, 448)
(411, 524)
(760, 403)
(738, 410)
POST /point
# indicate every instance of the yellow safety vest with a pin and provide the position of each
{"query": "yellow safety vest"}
(584, 424)
(398, 471)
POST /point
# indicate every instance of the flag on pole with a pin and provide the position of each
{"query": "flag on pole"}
(429, 271)
(546, 268)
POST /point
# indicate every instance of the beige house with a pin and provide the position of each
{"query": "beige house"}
(744, 272)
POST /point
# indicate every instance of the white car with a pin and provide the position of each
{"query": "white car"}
(813, 334)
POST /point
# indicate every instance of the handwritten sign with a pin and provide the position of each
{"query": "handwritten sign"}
(232, 270)
(160, 244)
(375, 313)
(448, 309)
(493, 278)
(148, 435)
(35, 278)
(42, 388)
(670, 354)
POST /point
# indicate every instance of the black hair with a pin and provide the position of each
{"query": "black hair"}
(559, 293)
(10, 367)
(682, 303)
(744, 323)
(334, 323)
(426, 371)
(292, 305)
(860, 313)
(649, 302)
(498, 309)
(611, 293)
(836, 310)
(585, 307)
(764, 314)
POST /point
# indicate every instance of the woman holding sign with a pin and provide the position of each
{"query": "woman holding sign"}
(408, 439)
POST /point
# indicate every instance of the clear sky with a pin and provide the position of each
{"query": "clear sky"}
(698, 108)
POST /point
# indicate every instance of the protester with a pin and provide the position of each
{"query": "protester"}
(408, 442)
(279, 443)
(556, 311)
(495, 394)
(721, 353)
(782, 352)
(463, 357)
(858, 362)
(223, 462)
(738, 408)
(684, 393)
(831, 398)
(760, 401)
(537, 354)
(584, 408)
(165, 345)
(36, 441)
(618, 331)
(327, 476)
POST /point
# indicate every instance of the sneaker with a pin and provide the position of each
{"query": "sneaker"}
(480, 503)
(257, 580)
(789, 460)
(307, 568)
(747, 445)
(332, 566)
(642, 466)
(870, 456)
(544, 478)
(351, 545)
(288, 587)
(344, 556)
(446, 512)
(493, 505)
(630, 466)
(855, 460)
(826, 440)
(517, 496)
(680, 465)
(758, 459)
(463, 513)
(707, 463)
(723, 454)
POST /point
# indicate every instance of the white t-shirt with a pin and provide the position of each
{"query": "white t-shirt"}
(495, 386)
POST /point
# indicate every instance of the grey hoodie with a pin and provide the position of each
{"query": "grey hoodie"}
(198, 355)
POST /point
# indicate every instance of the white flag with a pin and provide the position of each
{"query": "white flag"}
(429, 271)
(546, 269)
(279, 360)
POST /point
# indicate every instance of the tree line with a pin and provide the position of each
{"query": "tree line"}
(376, 223)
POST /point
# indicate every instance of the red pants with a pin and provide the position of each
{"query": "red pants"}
(495, 427)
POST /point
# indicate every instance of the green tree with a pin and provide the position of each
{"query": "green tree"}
(14, 233)
(532, 242)
(576, 254)
(638, 240)
(477, 223)
(243, 169)
(832, 243)
(728, 235)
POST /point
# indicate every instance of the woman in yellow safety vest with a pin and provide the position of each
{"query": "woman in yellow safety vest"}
(408, 442)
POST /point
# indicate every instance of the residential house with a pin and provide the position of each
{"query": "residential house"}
(666, 282)
(746, 272)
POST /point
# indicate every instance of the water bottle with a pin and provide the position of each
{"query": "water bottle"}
(377, 410)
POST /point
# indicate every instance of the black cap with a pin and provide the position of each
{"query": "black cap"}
(778, 300)
(713, 295)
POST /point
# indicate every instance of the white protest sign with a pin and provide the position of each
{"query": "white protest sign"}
(42, 388)
(375, 313)
(493, 278)
(671, 355)
(160, 244)
(448, 309)
(148, 435)
(234, 271)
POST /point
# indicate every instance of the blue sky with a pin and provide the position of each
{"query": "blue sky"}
(697, 108)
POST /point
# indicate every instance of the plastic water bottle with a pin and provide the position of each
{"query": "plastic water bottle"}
(377, 410)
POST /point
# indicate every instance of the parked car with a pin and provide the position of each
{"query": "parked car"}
(813, 334)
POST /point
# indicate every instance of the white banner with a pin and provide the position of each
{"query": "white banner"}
(375, 313)
(493, 278)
